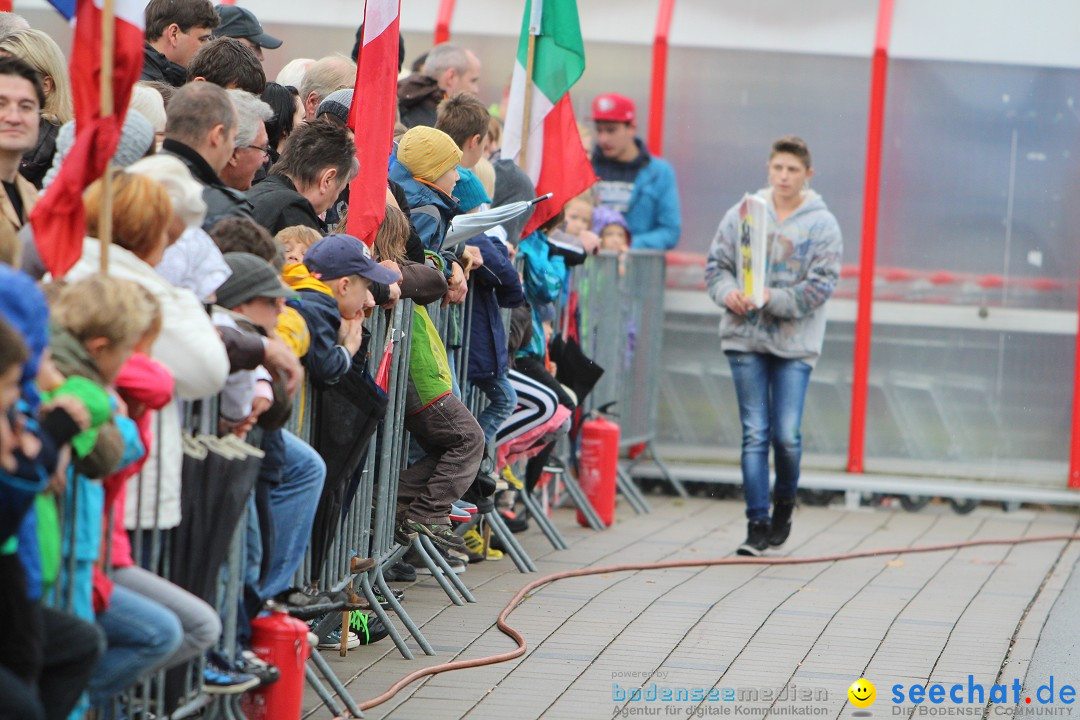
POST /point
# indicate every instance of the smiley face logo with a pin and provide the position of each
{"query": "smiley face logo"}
(862, 693)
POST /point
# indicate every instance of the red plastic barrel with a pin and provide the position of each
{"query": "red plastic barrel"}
(599, 463)
(283, 642)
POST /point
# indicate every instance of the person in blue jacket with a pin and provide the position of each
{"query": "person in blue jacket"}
(639, 185)
(495, 285)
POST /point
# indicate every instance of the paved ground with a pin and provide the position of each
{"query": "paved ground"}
(783, 641)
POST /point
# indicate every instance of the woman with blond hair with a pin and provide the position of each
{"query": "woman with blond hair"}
(43, 54)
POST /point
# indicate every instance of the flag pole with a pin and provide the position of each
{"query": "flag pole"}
(108, 43)
(534, 31)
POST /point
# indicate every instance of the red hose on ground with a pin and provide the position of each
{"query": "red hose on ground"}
(504, 626)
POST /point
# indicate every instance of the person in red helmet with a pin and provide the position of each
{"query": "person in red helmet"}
(639, 185)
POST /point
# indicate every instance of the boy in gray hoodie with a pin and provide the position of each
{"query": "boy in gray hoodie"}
(773, 348)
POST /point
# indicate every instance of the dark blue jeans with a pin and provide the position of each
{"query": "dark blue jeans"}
(502, 399)
(141, 634)
(771, 391)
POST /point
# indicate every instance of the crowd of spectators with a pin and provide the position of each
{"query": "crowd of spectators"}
(230, 276)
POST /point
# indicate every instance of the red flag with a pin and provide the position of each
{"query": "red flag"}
(58, 219)
(376, 92)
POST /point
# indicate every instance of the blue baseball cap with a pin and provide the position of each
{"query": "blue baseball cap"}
(336, 256)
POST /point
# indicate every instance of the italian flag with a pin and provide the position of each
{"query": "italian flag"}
(554, 156)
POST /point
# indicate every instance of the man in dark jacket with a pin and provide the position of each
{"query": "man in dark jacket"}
(316, 164)
(201, 131)
(175, 30)
(449, 69)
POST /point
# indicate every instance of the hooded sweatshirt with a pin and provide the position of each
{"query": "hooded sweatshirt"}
(418, 99)
(803, 269)
(326, 361)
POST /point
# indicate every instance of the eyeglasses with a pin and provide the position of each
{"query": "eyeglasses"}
(265, 150)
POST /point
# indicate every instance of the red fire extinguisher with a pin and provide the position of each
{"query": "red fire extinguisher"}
(599, 464)
(282, 641)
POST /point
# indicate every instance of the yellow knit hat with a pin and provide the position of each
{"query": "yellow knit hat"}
(427, 153)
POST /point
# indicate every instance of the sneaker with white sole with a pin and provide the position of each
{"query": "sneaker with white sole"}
(466, 506)
(332, 641)
(441, 535)
(220, 678)
(757, 539)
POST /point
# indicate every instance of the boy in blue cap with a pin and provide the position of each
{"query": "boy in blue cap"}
(334, 299)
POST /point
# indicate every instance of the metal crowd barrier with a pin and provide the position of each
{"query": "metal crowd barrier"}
(622, 314)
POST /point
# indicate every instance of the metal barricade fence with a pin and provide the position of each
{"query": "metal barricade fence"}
(622, 307)
(642, 338)
(621, 310)
(622, 313)
(603, 307)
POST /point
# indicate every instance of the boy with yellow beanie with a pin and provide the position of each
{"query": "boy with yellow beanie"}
(426, 169)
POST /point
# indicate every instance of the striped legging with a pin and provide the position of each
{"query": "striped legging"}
(536, 406)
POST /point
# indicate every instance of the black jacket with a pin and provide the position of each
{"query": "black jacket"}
(495, 285)
(221, 200)
(37, 161)
(158, 67)
(277, 205)
(418, 98)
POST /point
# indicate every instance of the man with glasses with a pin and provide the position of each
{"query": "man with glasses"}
(241, 24)
(201, 130)
(21, 99)
(251, 145)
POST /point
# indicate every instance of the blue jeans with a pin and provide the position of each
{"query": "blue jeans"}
(141, 635)
(771, 391)
(451, 360)
(502, 399)
(293, 504)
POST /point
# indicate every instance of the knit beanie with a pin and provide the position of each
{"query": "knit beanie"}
(469, 191)
(604, 216)
(427, 153)
(136, 139)
(337, 104)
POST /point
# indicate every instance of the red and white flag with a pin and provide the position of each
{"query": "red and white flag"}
(58, 219)
(376, 92)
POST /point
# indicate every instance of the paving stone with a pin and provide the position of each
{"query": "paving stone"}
(897, 619)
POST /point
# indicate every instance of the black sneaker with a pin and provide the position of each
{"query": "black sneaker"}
(440, 534)
(220, 678)
(400, 571)
(781, 521)
(305, 606)
(403, 533)
(369, 628)
(250, 663)
(515, 523)
(757, 539)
